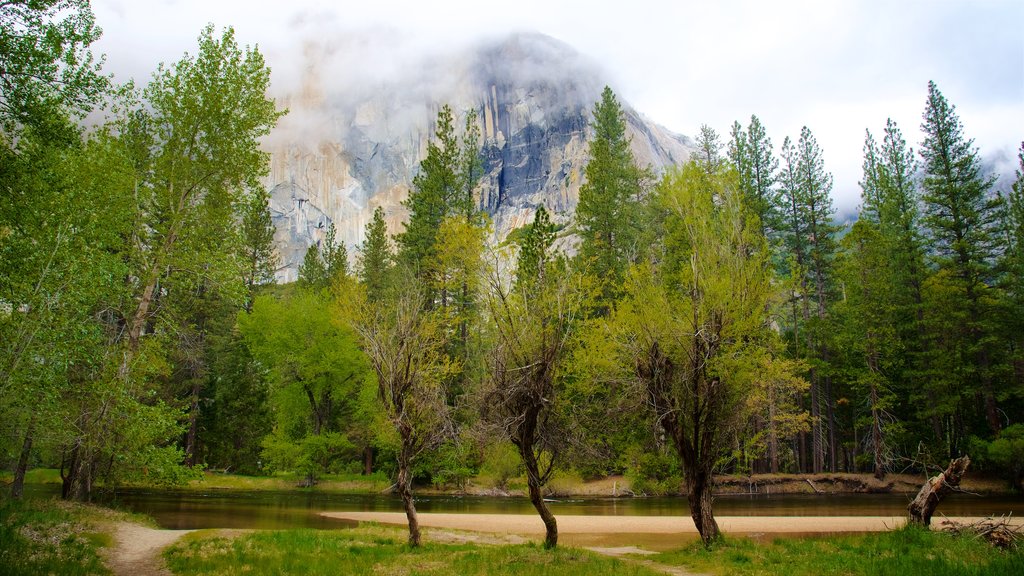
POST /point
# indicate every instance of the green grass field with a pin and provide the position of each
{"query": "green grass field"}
(49, 537)
(907, 551)
(378, 550)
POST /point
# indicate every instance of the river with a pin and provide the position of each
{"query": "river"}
(187, 509)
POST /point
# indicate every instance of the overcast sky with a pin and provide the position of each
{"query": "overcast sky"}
(837, 67)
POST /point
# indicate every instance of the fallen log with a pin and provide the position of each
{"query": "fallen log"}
(935, 489)
(999, 532)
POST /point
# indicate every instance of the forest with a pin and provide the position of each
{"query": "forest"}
(713, 319)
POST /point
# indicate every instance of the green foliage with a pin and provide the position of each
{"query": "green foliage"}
(257, 243)
(535, 249)
(608, 214)
(1005, 453)
(325, 263)
(46, 65)
(653, 472)
(960, 217)
(442, 188)
(750, 154)
(375, 258)
(317, 372)
(236, 411)
(501, 463)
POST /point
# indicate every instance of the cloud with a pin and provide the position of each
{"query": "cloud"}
(838, 67)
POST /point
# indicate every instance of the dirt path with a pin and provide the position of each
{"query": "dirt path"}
(136, 550)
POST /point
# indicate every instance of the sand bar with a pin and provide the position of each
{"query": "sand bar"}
(530, 524)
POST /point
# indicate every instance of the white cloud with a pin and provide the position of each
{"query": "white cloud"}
(838, 67)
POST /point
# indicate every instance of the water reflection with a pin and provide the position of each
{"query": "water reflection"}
(187, 509)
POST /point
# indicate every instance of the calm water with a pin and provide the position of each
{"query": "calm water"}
(179, 509)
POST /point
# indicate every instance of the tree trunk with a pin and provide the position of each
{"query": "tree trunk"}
(831, 413)
(76, 484)
(368, 460)
(817, 432)
(405, 486)
(773, 440)
(876, 433)
(537, 498)
(935, 489)
(698, 493)
(193, 425)
(18, 486)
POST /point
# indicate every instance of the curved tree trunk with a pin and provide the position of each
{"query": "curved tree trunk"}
(537, 498)
(405, 486)
(935, 489)
(698, 493)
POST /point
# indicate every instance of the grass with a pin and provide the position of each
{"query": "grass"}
(372, 549)
(333, 483)
(50, 537)
(908, 550)
(35, 476)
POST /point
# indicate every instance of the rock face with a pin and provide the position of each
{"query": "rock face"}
(339, 155)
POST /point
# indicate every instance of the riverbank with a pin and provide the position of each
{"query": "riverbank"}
(51, 537)
(531, 525)
(566, 485)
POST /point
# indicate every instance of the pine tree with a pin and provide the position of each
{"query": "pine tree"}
(709, 150)
(1012, 271)
(313, 271)
(535, 249)
(816, 211)
(375, 258)
(435, 188)
(608, 212)
(750, 152)
(961, 217)
(258, 254)
(870, 192)
(795, 243)
(335, 256)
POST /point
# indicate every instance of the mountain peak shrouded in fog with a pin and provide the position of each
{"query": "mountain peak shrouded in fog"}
(353, 139)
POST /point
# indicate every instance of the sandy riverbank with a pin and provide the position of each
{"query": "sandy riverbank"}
(530, 524)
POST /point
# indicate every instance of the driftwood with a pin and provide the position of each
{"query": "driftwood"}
(999, 532)
(935, 489)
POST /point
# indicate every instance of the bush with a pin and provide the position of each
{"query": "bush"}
(501, 463)
(653, 472)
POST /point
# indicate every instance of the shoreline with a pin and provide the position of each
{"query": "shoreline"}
(531, 524)
(612, 486)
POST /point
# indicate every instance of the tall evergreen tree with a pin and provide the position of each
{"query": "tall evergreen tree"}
(535, 250)
(750, 152)
(816, 212)
(961, 217)
(1012, 274)
(257, 243)
(709, 150)
(375, 257)
(435, 187)
(325, 262)
(608, 212)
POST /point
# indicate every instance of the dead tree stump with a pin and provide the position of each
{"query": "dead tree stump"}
(935, 489)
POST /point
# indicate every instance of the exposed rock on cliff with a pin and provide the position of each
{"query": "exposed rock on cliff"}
(340, 154)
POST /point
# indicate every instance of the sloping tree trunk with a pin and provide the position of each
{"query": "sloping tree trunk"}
(18, 486)
(935, 489)
(404, 486)
(698, 494)
(534, 481)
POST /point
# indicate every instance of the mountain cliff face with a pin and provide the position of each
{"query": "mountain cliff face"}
(340, 154)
